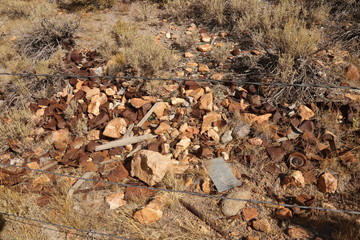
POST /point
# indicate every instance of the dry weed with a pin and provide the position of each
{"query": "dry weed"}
(46, 36)
(74, 5)
(139, 55)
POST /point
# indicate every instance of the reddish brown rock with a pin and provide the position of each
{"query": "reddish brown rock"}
(327, 183)
(138, 194)
(352, 73)
(118, 174)
(150, 166)
(262, 225)
(250, 213)
(115, 128)
(276, 153)
(284, 214)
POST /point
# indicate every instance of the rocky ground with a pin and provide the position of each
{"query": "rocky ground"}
(164, 134)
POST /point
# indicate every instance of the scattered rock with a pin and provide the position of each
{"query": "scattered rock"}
(284, 213)
(96, 101)
(160, 109)
(262, 225)
(305, 113)
(203, 68)
(206, 102)
(230, 207)
(138, 102)
(295, 179)
(327, 183)
(255, 141)
(209, 120)
(93, 135)
(115, 200)
(352, 73)
(250, 213)
(217, 76)
(148, 215)
(298, 233)
(276, 153)
(115, 128)
(188, 55)
(204, 48)
(181, 146)
(226, 137)
(163, 127)
(241, 130)
(150, 166)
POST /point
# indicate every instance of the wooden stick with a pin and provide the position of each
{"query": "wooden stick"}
(128, 131)
(147, 115)
(123, 142)
(79, 182)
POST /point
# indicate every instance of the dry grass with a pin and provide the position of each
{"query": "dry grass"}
(89, 5)
(46, 36)
(139, 55)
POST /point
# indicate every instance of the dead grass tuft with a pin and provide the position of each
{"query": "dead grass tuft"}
(139, 55)
(47, 36)
(74, 5)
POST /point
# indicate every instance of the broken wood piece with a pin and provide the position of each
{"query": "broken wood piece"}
(221, 174)
(123, 142)
(138, 148)
(76, 186)
(128, 131)
(147, 115)
(53, 164)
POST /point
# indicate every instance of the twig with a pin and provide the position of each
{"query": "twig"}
(147, 115)
(77, 185)
(123, 142)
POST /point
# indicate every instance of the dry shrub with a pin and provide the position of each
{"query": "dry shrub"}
(15, 9)
(46, 36)
(139, 54)
(74, 5)
(16, 124)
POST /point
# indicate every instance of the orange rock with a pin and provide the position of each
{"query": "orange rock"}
(262, 225)
(181, 146)
(305, 113)
(138, 102)
(115, 128)
(148, 215)
(41, 180)
(163, 127)
(206, 102)
(206, 186)
(188, 55)
(192, 64)
(203, 68)
(204, 48)
(284, 213)
(115, 200)
(92, 92)
(209, 120)
(93, 135)
(62, 135)
(252, 118)
(160, 108)
(33, 165)
(327, 183)
(250, 213)
(110, 92)
(197, 93)
(96, 101)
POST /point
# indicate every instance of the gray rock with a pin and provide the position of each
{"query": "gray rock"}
(226, 137)
(231, 207)
(241, 130)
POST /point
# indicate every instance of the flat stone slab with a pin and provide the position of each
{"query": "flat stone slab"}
(221, 174)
